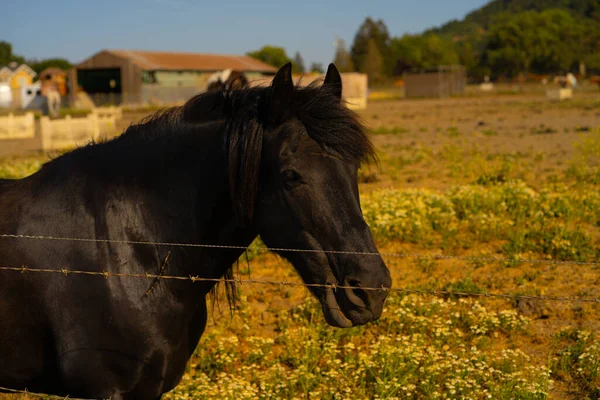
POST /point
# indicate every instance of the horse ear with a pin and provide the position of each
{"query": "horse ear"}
(333, 79)
(282, 90)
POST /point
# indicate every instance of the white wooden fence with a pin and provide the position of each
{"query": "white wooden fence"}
(64, 132)
(17, 126)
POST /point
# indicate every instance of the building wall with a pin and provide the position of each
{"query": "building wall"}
(178, 78)
(20, 79)
(4, 76)
(159, 94)
(131, 76)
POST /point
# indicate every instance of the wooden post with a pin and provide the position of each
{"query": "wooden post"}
(11, 124)
(95, 122)
(46, 133)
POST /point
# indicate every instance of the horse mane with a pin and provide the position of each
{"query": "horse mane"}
(246, 115)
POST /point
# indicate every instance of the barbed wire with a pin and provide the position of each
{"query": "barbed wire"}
(193, 279)
(40, 395)
(280, 249)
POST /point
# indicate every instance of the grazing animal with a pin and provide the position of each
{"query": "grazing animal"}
(279, 161)
(226, 79)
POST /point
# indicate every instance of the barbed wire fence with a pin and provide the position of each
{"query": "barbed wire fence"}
(23, 269)
(264, 249)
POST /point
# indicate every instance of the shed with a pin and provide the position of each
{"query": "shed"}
(126, 76)
(441, 81)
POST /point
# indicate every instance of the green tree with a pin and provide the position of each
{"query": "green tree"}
(272, 55)
(378, 32)
(343, 60)
(425, 51)
(298, 64)
(40, 65)
(7, 55)
(317, 68)
(372, 66)
(530, 41)
(588, 50)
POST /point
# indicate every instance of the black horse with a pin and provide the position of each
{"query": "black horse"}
(279, 161)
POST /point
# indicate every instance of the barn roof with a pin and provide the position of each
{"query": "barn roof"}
(155, 60)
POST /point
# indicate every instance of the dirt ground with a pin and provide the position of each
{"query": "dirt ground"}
(528, 130)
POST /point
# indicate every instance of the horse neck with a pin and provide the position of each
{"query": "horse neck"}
(174, 187)
(194, 170)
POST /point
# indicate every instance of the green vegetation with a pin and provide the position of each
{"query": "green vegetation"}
(502, 39)
(429, 349)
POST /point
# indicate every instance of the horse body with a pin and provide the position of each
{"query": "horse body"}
(215, 171)
(63, 329)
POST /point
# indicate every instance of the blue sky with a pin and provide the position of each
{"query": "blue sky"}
(76, 29)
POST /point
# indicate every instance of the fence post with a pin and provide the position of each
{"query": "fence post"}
(30, 124)
(46, 133)
(68, 124)
(94, 120)
(11, 123)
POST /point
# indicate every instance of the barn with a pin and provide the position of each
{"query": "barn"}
(143, 77)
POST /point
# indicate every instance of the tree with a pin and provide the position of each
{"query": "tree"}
(378, 32)
(317, 68)
(272, 55)
(542, 42)
(40, 65)
(298, 64)
(372, 65)
(343, 60)
(424, 51)
(7, 56)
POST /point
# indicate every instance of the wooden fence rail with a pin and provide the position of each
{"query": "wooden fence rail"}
(17, 126)
(55, 134)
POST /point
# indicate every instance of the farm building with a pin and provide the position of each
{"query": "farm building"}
(442, 81)
(17, 76)
(122, 76)
(14, 79)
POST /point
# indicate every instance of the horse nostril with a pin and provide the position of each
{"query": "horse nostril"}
(355, 294)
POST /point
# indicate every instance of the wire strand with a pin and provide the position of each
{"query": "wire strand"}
(41, 395)
(107, 274)
(279, 249)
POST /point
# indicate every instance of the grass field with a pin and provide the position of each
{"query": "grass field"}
(508, 176)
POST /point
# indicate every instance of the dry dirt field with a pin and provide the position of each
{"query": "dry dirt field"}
(512, 177)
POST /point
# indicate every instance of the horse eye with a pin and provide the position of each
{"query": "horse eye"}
(290, 175)
(291, 179)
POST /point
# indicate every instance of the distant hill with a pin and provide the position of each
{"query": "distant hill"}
(480, 19)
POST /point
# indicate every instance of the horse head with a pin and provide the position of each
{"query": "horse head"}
(309, 198)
